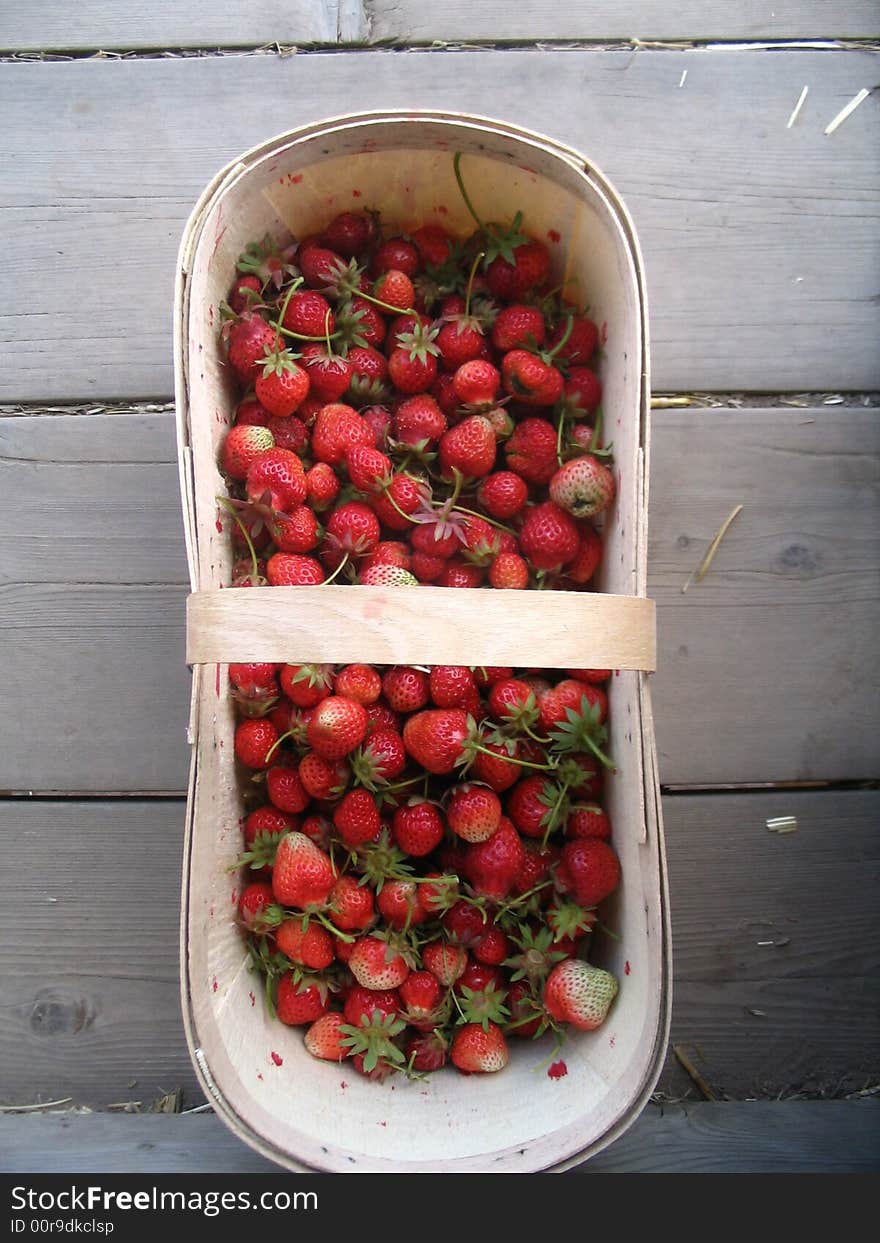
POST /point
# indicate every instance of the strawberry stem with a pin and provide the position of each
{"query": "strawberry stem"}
(512, 759)
(554, 813)
(551, 354)
(394, 505)
(294, 285)
(337, 571)
(331, 927)
(386, 306)
(560, 428)
(461, 509)
(456, 166)
(470, 284)
(226, 504)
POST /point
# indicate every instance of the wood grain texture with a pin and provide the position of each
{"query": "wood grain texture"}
(134, 24)
(409, 21)
(428, 625)
(719, 1137)
(93, 599)
(100, 1012)
(763, 280)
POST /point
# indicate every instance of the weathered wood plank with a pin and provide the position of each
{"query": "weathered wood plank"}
(93, 587)
(100, 1011)
(81, 199)
(723, 1137)
(409, 21)
(108, 24)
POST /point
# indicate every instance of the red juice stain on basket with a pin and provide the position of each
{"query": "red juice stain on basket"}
(554, 235)
(214, 985)
(558, 1070)
(277, 1058)
(355, 194)
(626, 968)
(253, 999)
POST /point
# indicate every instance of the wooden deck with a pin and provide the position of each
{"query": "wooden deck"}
(763, 258)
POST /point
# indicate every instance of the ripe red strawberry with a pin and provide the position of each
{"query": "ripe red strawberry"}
(530, 380)
(512, 281)
(531, 451)
(589, 820)
(451, 686)
(435, 738)
(249, 413)
(412, 371)
(460, 574)
(285, 789)
(359, 682)
(582, 340)
(427, 569)
(309, 313)
(381, 759)
(369, 375)
(281, 385)
(479, 1048)
(377, 964)
(353, 528)
(498, 769)
(322, 485)
(303, 874)
(357, 818)
(350, 233)
(571, 694)
(350, 905)
(250, 338)
(549, 538)
(397, 253)
(582, 391)
(253, 902)
(580, 994)
(594, 676)
(287, 569)
(509, 572)
(254, 739)
(419, 419)
(311, 946)
(337, 727)
(435, 540)
(277, 474)
(329, 374)
(593, 868)
(503, 494)
(389, 552)
(529, 805)
(588, 557)
(405, 689)
(583, 487)
(492, 948)
(321, 268)
(243, 444)
(395, 289)
(363, 1003)
(367, 468)
(492, 866)
(518, 326)
(307, 685)
(324, 1038)
(465, 923)
(290, 433)
(268, 821)
(337, 429)
(469, 448)
(245, 293)
(402, 496)
(460, 340)
(387, 576)
(320, 778)
(476, 383)
(300, 1002)
(297, 531)
(473, 812)
(445, 961)
(433, 244)
(417, 828)
(422, 993)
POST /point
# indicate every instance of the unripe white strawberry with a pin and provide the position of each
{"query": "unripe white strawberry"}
(387, 576)
(584, 487)
(578, 993)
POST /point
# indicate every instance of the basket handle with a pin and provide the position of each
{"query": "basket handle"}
(428, 625)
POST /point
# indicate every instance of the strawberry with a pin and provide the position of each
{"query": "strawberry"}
(445, 961)
(479, 1050)
(531, 451)
(460, 574)
(594, 676)
(349, 233)
(412, 371)
(322, 486)
(421, 993)
(337, 429)
(405, 689)
(511, 281)
(395, 289)
(242, 445)
(503, 494)
(518, 326)
(588, 557)
(297, 531)
(367, 468)
(476, 383)
(249, 340)
(397, 254)
(492, 866)
(530, 380)
(281, 386)
(464, 923)
(276, 478)
(290, 433)
(303, 874)
(473, 812)
(387, 576)
(580, 994)
(593, 868)
(356, 818)
(352, 529)
(322, 268)
(426, 568)
(583, 487)
(338, 726)
(497, 769)
(417, 828)
(286, 569)
(451, 686)
(492, 948)
(245, 293)
(329, 374)
(468, 448)
(433, 244)
(324, 1038)
(364, 1003)
(369, 373)
(285, 789)
(300, 1002)
(253, 903)
(389, 552)
(402, 497)
(582, 391)
(309, 314)
(399, 903)
(310, 946)
(254, 739)
(589, 820)
(419, 420)
(320, 778)
(509, 572)
(359, 682)
(307, 685)
(361, 323)
(435, 738)
(580, 345)
(549, 538)
(350, 905)
(571, 695)
(377, 964)
(267, 821)
(380, 759)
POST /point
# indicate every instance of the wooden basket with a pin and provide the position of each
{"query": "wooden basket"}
(308, 1114)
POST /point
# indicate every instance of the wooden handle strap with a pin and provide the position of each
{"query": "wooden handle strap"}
(421, 626)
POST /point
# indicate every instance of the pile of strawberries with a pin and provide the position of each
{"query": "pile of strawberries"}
(412, 409)
(426, 848)
(428, 856)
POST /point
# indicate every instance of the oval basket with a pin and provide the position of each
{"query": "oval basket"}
(306, 1114)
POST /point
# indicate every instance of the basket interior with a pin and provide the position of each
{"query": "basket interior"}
(273, 1092)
